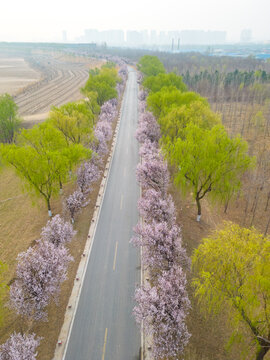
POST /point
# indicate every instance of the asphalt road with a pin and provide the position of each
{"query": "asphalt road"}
(104, 328)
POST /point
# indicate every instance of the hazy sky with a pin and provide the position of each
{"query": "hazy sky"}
(35, 20)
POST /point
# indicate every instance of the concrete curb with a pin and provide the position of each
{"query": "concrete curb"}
(61, 346)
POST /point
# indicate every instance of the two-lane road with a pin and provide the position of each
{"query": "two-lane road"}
(104, 328)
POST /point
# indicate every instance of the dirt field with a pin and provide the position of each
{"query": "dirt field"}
(15, 74)
(42, 81)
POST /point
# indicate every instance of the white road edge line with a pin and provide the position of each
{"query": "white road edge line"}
(58, 351)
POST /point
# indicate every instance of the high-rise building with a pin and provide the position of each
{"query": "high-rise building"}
(145, 37)
(246, 35)
(110, 37)
(91, 35)
(153, 37)
(134, 38)
(64, 36)
(200, 37)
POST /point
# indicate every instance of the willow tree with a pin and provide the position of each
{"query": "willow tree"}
(102, 81)
(161, 102)
(150, 65)
(156, 83)
(174, 123)
(91, 101)
(232, 273)
(75, 121)
(9, 120)
(208, 162)
(43, 159)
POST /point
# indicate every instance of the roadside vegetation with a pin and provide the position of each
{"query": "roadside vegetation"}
(162, 300)
(230, 269)
(69, 147)
(204, 159)
(9, 119)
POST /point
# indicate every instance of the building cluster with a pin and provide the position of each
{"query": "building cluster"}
(132, 38)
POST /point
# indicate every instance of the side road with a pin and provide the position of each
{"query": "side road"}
(103, 326)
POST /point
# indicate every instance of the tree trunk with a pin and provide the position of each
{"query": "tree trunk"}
(199, 209)
(226, 206)
(267, 202)
(60, 186)
(49, 207)
(267, 227)
(261, 352)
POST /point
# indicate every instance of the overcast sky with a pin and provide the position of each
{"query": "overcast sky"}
(35, 20)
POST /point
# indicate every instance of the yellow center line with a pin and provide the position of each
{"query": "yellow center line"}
(115, 254)
(105, 342)
(121, 202)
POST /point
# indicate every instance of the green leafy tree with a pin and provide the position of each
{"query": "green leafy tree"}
(150, 65)
(43, 159)
(232, 272)
(9, 120)
(91, 102)
(75, 121)
(174, 123)
(109, 65)
(103, 82)
(156, 83)
(161, 102)
(208, 162)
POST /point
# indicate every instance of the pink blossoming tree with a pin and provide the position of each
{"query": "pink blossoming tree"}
(58, 231)
(162, 247)
(87, 174)
(40, 271)
(74, 203)
(20, 347)
(142, 95)
(153, 206)
(154, 174)
(148, 130)
(106, 128)
(163, 309)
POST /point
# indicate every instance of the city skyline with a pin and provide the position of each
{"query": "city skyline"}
(119, 37)
(35, 21)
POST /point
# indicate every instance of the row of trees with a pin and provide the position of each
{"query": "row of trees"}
(242, 98)
(231, 267)
(43, 267)
(204, 158)
(162, 302)
(39, 275)
(45, 156)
